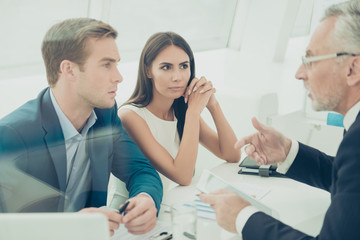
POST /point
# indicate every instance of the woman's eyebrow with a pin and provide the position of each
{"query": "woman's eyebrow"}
(165, 63)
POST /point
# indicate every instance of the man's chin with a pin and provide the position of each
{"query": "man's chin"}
(315, 105)
(106, 105)
(318, 107)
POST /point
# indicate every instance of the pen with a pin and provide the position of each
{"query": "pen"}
(168, 237)
(261, 172)
(122, 209)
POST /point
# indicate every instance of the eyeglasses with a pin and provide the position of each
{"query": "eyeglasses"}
(307, 60)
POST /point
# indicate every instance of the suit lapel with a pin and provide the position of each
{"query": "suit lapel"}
(54, 138)
(99, 146)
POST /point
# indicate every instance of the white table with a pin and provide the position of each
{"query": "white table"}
(299, 205)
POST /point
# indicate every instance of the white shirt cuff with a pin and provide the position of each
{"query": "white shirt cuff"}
(284, 166)
(243, 217)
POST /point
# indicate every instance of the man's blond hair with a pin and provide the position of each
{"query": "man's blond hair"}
(67, 41)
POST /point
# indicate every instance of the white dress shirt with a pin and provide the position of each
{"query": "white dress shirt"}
(78, 171)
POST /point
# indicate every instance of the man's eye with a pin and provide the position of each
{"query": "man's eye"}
(107, 65)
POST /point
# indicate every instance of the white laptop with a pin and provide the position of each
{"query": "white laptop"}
(54, 226)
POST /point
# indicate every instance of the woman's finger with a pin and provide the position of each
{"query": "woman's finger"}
(199, 83)
(190, 88)
(208, 86)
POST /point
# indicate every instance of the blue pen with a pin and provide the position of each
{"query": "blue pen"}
(122, 209)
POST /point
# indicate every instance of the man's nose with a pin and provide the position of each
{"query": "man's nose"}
(118, 77)
(301, 73)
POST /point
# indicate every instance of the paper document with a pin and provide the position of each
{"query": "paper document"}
(209, 182)
(204, 210)
(255, 191)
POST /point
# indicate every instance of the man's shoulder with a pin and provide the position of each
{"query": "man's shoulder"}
(19, 130)
(24, 118)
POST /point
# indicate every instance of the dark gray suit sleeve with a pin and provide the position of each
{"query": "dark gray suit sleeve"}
(312, 167)
(339, 175)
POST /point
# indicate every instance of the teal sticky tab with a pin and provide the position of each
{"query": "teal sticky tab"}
(335, 119)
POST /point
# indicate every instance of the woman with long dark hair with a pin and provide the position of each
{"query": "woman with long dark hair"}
(162, 115)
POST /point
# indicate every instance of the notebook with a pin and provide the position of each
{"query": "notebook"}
(249, 166)
(54, 226)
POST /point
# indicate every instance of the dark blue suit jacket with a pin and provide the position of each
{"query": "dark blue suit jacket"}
(340, 175)
(32, 139)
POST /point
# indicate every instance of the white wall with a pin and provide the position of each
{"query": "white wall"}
(245, 82)
(250, 96)
(239, 105)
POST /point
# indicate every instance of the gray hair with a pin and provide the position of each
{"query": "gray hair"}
(347, 27)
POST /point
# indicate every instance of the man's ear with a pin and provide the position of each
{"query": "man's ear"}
(68, 69)
(353, 72)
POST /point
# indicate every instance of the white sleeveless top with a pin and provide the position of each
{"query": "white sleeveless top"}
(165, 133)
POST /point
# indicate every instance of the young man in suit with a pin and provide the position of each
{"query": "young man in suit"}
(331, 73)
(70, 136)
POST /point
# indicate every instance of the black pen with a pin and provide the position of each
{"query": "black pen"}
(122, 209)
